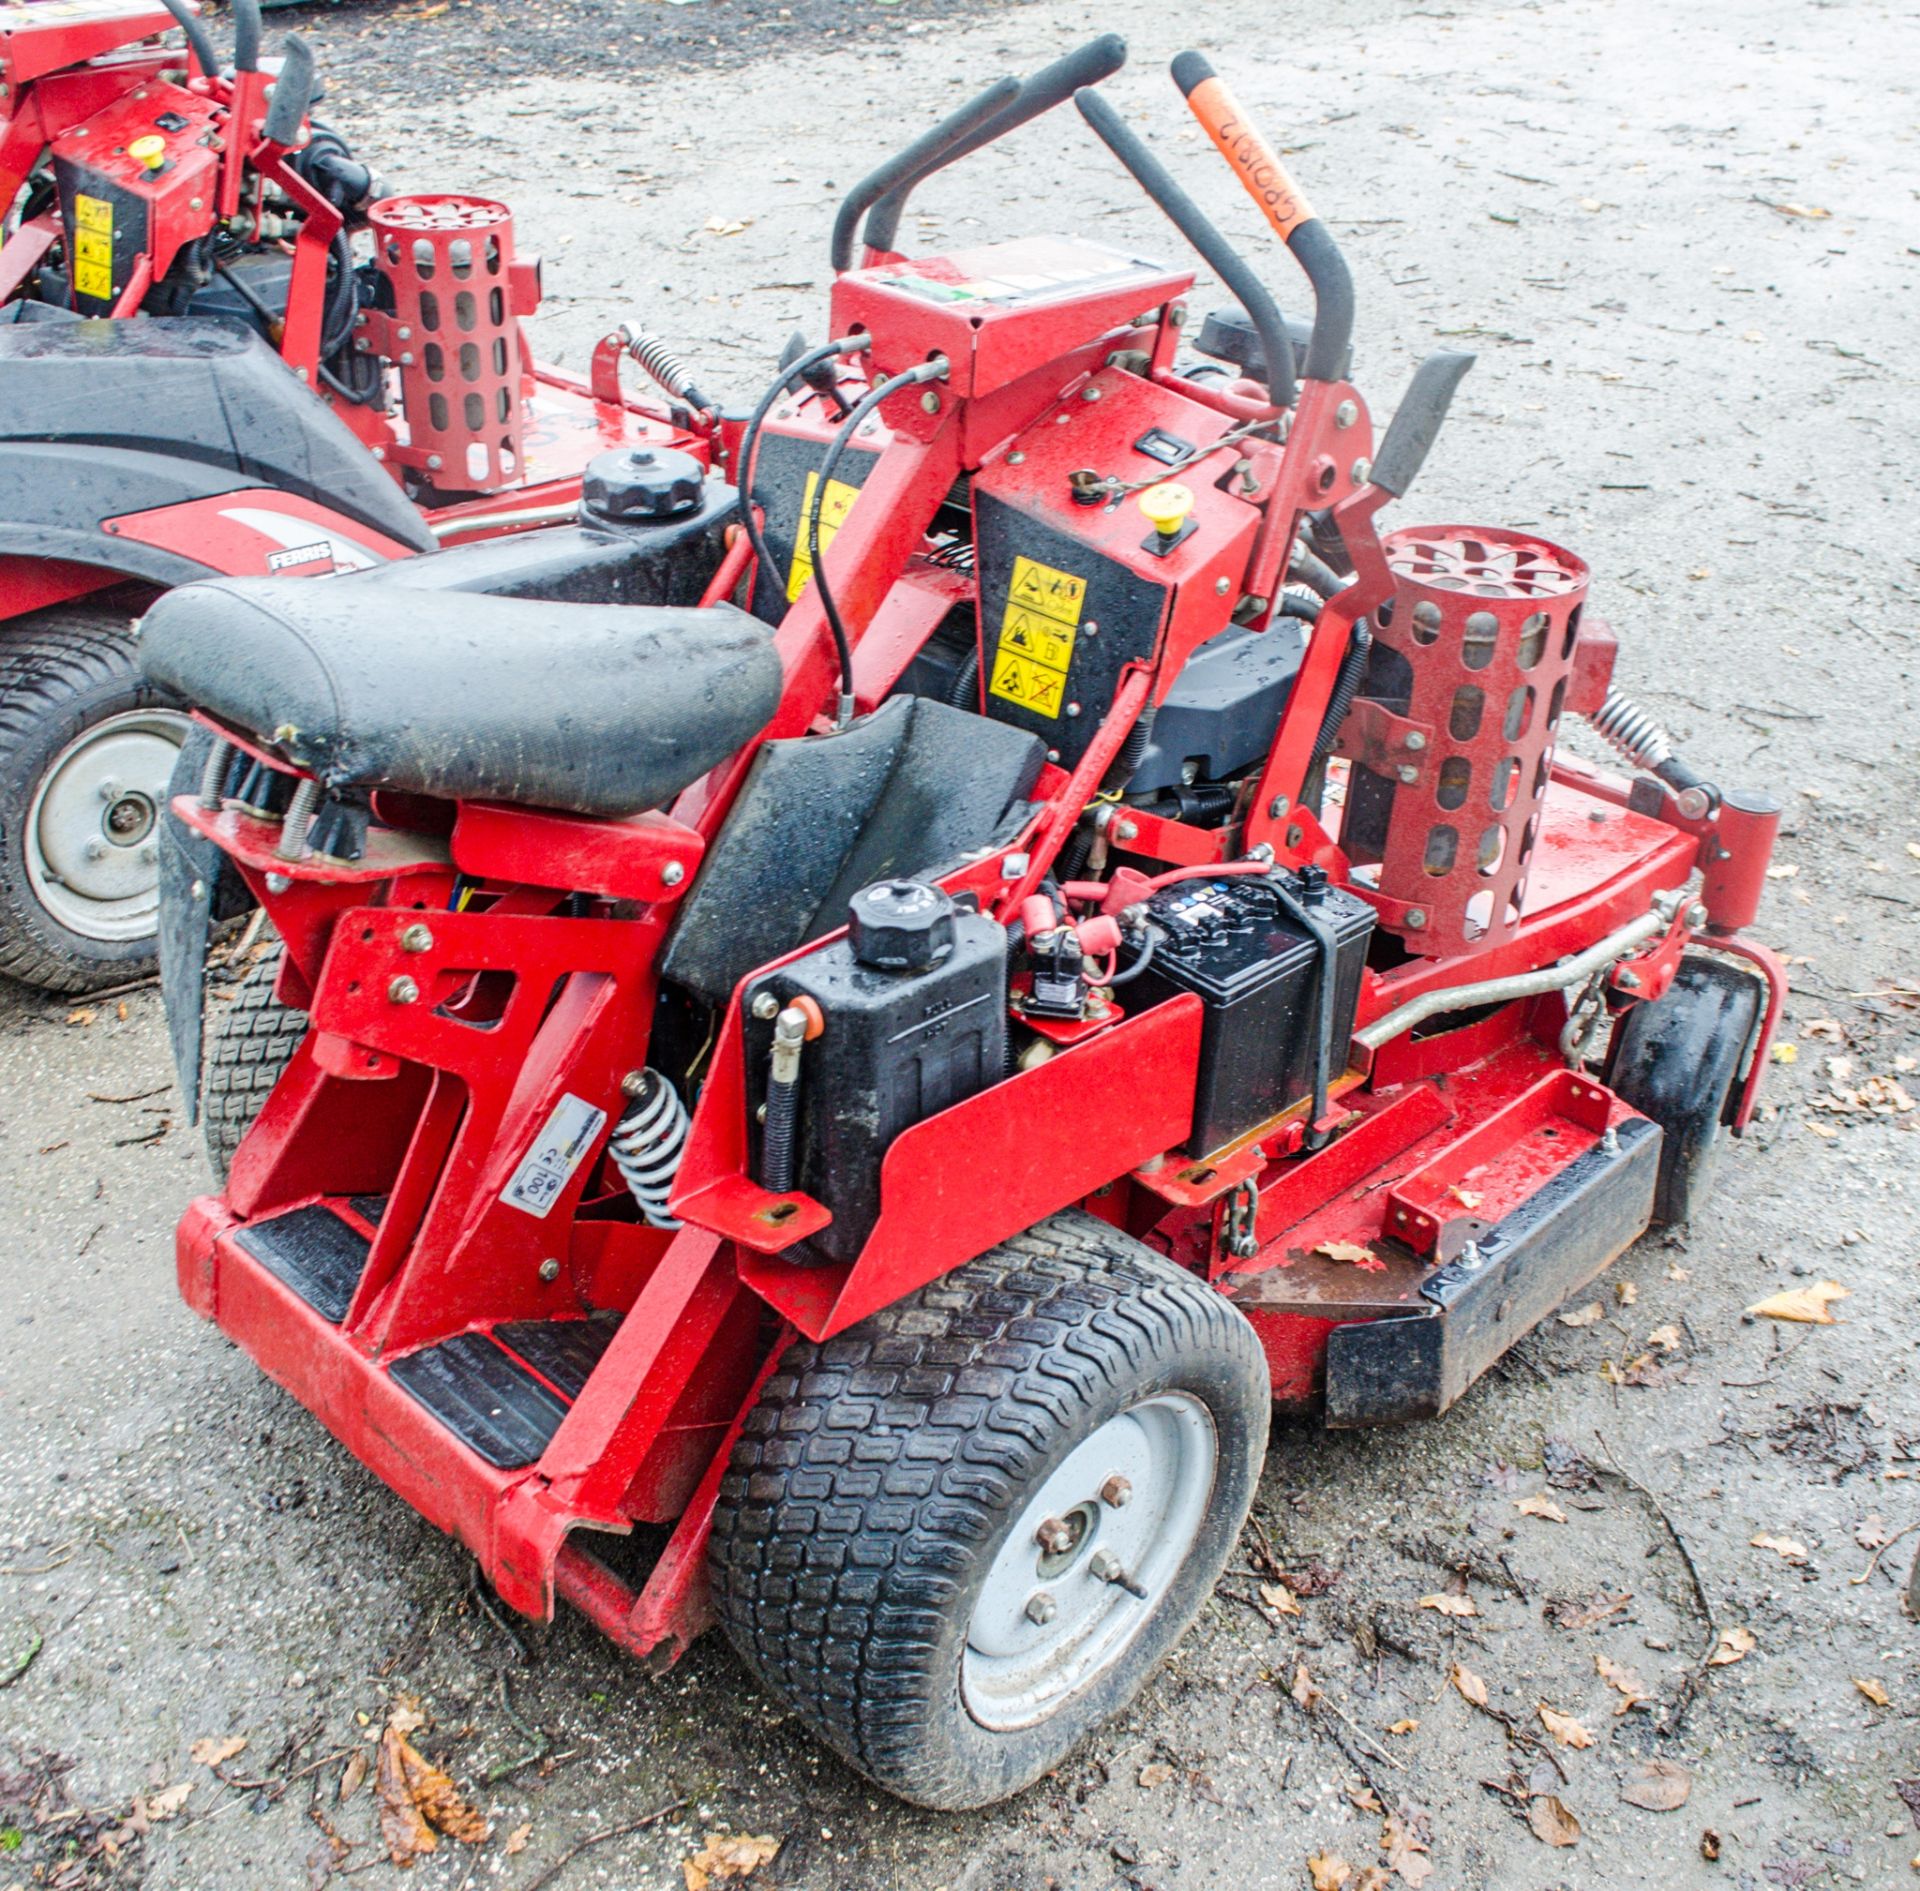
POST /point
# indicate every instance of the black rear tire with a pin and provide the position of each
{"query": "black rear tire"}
(879, 1507)
(249, 1045)
(1676, 1061)
(72, 700)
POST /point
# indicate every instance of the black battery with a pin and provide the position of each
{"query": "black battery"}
(1256, 972)
(903, 1038)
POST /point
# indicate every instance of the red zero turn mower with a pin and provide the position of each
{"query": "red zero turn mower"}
(895, 1100)
(286, 403)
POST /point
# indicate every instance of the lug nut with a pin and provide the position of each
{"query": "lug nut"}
(766, 1006)
(1041, 1608)
(1104, 1566)
(1055, 1536)
(1116, 1493)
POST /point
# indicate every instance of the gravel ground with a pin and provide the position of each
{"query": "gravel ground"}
(1687, 374)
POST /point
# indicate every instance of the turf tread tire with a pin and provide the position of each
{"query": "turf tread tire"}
(60, 670)
(250, 1043)
(878, 1469)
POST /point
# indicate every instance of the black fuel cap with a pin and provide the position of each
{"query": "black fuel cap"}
(642, 482)
(900, 926)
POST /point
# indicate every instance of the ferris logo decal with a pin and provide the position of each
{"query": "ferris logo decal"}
(296, 555)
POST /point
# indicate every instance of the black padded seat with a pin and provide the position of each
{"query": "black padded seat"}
(588, 708)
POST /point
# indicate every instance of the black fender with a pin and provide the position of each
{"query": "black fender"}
(188, 408)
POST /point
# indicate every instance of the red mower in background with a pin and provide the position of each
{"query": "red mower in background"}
(223, 350)
(878, 1088)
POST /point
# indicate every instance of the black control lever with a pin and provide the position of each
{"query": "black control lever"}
(1416, 421)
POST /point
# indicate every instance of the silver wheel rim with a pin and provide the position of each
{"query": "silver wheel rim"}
(93, 829)
(1132, 1498)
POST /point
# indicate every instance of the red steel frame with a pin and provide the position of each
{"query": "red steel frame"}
(423, 1076)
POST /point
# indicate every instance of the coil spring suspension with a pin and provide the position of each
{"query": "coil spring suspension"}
(664, 365)
(1635, 732)
(647, 1144)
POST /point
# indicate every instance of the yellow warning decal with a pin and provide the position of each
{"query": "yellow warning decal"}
(93, 247)
(833, 514)
(1037, 635)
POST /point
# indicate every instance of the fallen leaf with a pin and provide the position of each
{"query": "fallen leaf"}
(1329, 1871)
(1735, 1644)
(417, 1800)
(1667, 1338)
(1806, 1305)
(726, 226)
(1873, 1691)
(1871, 1532)
(1784, 871)
(81, 1017)
(1786, 1053)
(1305, 1693)
(1657, 1786)
(1374, 1878)
(354, 1774)
(727, 1855)
(1470, 1685)
(1403, 1726)
(1354, 1252)
(1587, 1315)
(1563, 1727)
(1629, 1684)
(1466, 1197)
(1625, 1292)
(1812, 212)
(1551, 1821)
(517, 1839)
(1155, 1773)
(216, 1752)
(163, 1805)
(1449, 1605)
(1365, 1799)
(1540, 1505)
(1784, 1546)
(1565, 1612)
(1279, 1598)
(404, 1716)
(1404, 1846)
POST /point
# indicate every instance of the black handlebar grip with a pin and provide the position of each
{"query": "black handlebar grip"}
(1417, 420)
(292, 92)
(925, 151)
(246, 35)
(1084, 66)
(1186, 216)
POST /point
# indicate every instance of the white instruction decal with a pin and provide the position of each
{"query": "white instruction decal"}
(560, 1149)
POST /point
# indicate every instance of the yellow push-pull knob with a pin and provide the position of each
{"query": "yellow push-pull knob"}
(1167, 506)
(150, 152)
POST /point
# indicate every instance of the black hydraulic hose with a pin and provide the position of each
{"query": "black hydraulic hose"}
(921, 154)
(1088, 65)
(1320, 930)
(246, 38)
(793, 368)
(1220, 256)
(869, 403)
(1267, 182)
(1288, 605)
(1346, 686)
(199, 40)
(1314, 570)
(965, 691)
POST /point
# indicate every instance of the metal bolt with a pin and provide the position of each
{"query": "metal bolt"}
(1346, 414)
(1089, 393)
(1416, 917)
(1470, 1256)
(672, 873)
(1073, 709)
(1362, 472)
(278, 882)
(1221, 586)
(633, 1083)
(930, 402)
(1016, 459)
(415, 938)
(1041, 1608)
(406, 334)
(1407, 773)
(1628, 979)
(1277, 807)
(1127, 830)
(1696, 917)
(1103, 1565)
(1177, 315)
(549, 1270)
(95, 850)
(109, 791)
(1415, 742)
(149, 854)
(766, 1006)
(402, 990)
(1055, 1536)
(1116, 1492)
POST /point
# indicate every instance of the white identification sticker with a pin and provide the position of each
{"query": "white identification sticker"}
(548, 1166)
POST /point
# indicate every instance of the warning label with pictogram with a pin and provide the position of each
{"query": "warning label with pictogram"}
(834, 508)
(1037, 635)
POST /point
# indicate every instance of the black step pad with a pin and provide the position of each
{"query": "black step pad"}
(315, 1253)
(563, 1352)
(484, 1396)
(368, 1207)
